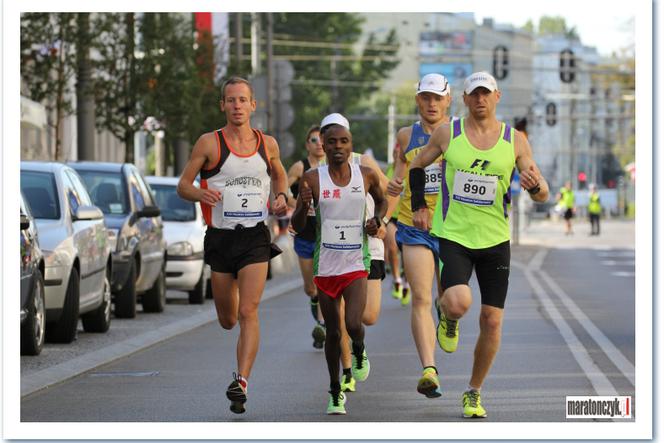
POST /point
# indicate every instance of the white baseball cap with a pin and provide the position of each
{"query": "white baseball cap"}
(435, 83)
(335, 119)
(479, 79)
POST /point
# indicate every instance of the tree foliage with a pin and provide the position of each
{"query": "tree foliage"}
(48, 65)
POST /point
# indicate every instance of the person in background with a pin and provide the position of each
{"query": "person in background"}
(305, 241)
(594, 210)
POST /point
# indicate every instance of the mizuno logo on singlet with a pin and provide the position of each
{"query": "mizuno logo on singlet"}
(356, 189)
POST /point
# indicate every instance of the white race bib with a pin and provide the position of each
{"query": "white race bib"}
(474, 189)
(433, 176)
(243, 202)
(342, 234)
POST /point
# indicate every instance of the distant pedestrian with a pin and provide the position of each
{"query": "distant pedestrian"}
(238, 165)
(594, 210)
(566, 198)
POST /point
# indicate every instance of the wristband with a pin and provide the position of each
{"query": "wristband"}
(417, 178)
(282, 193)
(534, 190)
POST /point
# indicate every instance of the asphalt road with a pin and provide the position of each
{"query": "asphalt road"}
(568, 330)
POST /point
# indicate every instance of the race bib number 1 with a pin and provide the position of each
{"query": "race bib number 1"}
(241, 202)
(341, 234)
(474, 189)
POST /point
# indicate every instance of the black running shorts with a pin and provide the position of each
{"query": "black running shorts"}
(568, 214)
(377, 270)
(492, 268)
(229, 250)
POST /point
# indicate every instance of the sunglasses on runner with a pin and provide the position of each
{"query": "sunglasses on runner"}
(314, 140)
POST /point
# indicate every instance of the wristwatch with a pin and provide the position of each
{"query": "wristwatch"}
(386, 220)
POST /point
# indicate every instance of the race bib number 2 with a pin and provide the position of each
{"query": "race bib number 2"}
(341, 234)
(474, 189)
(243, 202)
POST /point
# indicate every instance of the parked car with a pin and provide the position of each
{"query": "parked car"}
(33, 310)
(76, 248)
(136, 230)
(184, 230)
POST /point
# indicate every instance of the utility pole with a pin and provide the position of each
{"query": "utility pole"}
(391, 111)
(269, 67)
(255, 44)
(85, 103)
(238, 39)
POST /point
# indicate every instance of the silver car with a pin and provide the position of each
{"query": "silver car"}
(75, 245)
(184, 231)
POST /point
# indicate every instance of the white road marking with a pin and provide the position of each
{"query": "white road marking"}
(623, 274)
(617, 263)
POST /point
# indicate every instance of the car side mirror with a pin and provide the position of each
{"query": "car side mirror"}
(149, 211)
(25, 222)
(85, 212)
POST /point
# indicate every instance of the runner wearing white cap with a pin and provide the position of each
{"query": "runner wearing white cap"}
(419, 248)
(471, 219)
(341, 258)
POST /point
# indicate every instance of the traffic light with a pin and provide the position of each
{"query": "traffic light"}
(567, 66)
(582, 179)
(500, 62)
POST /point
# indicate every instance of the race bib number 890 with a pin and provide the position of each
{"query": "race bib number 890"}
(474, 189)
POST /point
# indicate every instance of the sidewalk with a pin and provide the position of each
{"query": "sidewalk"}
(613, 234)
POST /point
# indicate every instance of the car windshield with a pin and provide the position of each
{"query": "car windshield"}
(41, 194)
(106, 190)
(173, 208)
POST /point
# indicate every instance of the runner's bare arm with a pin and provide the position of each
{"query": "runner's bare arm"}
(437, 145)
(531, 177)
(368, 161)
(395, 186)
(204, 154)
(372, 184)
(294, 174)
(278, 175)
(305, 198)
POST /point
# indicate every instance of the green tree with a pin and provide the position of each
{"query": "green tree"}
(116, 88)
(329, 75)
(556, 25)
(48, 65)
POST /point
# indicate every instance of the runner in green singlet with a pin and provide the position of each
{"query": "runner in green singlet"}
(480, 155)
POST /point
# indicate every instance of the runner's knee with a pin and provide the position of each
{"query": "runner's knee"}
(491, 323)
(227, 322)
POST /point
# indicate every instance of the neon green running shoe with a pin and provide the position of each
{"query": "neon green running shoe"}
(405, 298)
(318, 335)
(472, 405)
(429, 385)
(347, 383)
(360, 367)
(447, 333)
(335, 405)
(397, 290)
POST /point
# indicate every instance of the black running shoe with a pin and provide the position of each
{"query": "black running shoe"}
(237, 395)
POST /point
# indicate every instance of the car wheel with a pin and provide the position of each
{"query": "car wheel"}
(32, 329)
(154, 299)
(197, 295)
(64, 330)
(125, 300)
(99, 320)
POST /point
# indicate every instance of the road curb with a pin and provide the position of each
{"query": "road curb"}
(56, 374)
